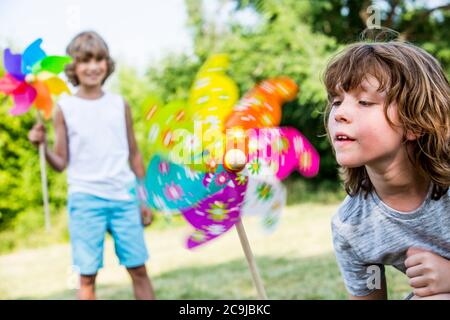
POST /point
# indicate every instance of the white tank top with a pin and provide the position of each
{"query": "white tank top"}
(98, 146)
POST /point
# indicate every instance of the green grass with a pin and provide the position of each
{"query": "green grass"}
(27, 229)
(296, 262)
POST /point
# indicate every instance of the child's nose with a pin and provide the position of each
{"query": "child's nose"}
(341, 115)
(93, 65)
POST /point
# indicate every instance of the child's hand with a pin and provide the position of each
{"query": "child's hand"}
(147, 216)
(441, 296)
(428, 273)
(37, 134)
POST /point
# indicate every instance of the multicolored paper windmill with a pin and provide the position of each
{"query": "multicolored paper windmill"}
(32, 79)
(217, 158)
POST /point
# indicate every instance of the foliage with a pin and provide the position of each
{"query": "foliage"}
(426, 26)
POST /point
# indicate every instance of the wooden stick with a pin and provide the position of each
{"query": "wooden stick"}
(44, 179)
(251, 261)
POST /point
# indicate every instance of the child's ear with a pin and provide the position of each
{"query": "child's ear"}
(411, 136)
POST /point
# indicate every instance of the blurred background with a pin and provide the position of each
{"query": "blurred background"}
(159, 46)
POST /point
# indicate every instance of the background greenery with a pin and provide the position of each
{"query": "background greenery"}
(291, 37)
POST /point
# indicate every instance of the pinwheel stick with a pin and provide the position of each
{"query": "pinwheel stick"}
(44, 178)
(251, 261)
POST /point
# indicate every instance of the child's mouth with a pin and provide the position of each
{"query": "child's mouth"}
(341, 139)
(93, 75)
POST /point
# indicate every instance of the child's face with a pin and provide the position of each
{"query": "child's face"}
(91, 72)
(359, 130)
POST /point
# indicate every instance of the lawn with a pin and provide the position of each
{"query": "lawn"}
(296, 262)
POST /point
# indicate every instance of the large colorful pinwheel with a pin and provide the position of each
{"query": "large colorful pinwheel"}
(217, 158)
(32, 78)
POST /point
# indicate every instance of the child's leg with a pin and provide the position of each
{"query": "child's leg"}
(87, 227)
(142, 287)
(87, 288)
(125, 225)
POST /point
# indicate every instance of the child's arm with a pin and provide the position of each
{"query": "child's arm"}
(362, 280)
(136, 161)
(429, 273)
(58, 157)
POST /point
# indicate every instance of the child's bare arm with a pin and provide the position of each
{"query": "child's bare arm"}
(428, 273)
(59, 156)
(136, 161)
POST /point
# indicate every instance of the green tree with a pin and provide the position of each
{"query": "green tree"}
(423, 23)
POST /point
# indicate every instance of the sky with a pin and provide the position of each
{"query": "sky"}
(138, 32)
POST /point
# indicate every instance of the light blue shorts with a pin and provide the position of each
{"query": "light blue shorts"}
(90, 217)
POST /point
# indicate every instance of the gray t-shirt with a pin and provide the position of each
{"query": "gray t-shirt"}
(368, 233)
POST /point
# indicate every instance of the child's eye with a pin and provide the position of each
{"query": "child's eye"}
(335, 103)
(366, 103)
